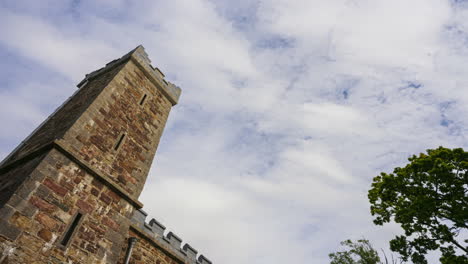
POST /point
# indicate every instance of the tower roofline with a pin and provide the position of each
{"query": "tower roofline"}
(141, 59)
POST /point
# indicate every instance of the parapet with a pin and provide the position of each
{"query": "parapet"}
(155, 75)
(141, 59)
(155, 231)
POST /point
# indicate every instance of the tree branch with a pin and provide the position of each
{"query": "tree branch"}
(459, 246)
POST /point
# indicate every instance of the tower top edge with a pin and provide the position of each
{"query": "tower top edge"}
(139, 56)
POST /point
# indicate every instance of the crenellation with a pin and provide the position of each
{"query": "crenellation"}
(157, 227)
(155, 230)
(174, 240)
(139, 217)
(170, 90)
(148, 230)
(203, 260)
(159, 71)
(190, 251)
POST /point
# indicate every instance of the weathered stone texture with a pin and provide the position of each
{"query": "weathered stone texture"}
(57, 197)
(10, 180)
(60, 121)
(146, 252)
(117, 111)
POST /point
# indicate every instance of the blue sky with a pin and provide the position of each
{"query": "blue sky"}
(288, 108)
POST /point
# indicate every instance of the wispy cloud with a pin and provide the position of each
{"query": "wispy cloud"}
(289, 108)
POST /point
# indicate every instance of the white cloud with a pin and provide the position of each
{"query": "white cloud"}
(289, 108)
(53, 48)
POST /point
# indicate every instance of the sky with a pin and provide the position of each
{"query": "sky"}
(289, 108)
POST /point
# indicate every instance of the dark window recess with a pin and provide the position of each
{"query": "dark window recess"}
(143, 99)
(119, 142)
(71, 230)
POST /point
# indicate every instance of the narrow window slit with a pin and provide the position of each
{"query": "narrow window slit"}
(143, 99)
(119, 142)
(71, 230)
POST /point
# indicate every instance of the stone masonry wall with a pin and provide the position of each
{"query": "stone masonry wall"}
(117, 110)
(41, 210)
(10, 180)
(65, 116)
(144, 252)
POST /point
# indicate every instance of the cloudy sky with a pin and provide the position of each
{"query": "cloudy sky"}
(289, 107)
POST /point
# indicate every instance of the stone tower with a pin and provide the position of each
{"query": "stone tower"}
(69, 192)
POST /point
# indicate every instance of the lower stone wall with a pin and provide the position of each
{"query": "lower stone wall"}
(156, 234)
(145, 252)
(36, 217)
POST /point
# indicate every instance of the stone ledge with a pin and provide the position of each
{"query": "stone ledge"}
(56, 144)
(5, 167)
(98, 174)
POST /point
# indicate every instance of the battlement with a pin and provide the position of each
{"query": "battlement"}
(154, 74)
(155, 231)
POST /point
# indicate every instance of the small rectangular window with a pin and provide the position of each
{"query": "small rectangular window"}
(142, 101)
(119, 142)
(71, 229)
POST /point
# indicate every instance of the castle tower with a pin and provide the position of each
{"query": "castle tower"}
(69, 192)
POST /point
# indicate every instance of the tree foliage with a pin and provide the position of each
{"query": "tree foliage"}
(428, 198)
(360, 252)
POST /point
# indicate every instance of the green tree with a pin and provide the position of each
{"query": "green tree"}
(360, 252)
(428, 198)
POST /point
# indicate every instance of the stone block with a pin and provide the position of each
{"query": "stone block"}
(139, 217)
(45, 234)
(203, 260)
(46, 221)
(42, 192)
(174, 240)
(85, 206)
(42, 205)
(190, 251)
(6, 212)
(8, 230)
(26, 188)
(37, 175)
(55, 187)
(22, 206)
(110, 223)
(106, 199)
(157, 227)
(21, 222)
